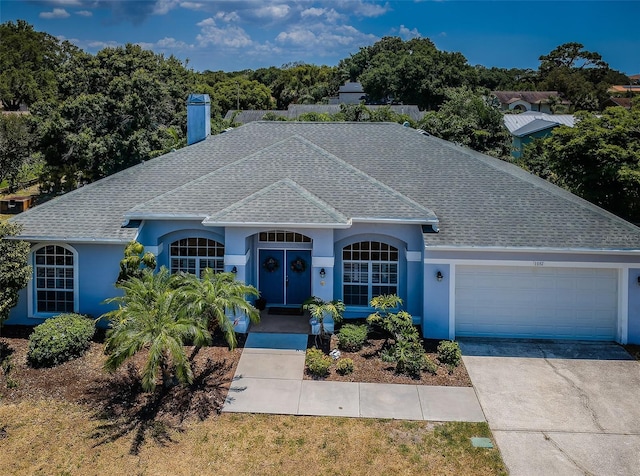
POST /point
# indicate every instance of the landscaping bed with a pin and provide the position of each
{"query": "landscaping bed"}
(368, 367)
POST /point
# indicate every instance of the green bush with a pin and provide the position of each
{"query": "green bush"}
(318, 362)
(351, 337)
(409, 357)
(430, 366)
(59, 339)
(344, 366)
(449, 353)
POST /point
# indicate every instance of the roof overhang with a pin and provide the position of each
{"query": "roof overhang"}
(514, 249)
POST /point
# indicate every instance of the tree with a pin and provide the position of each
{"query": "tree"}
(15, 271)
(15, 147)
(581, 76)
(597, 159)
(152, 315)
(28, 62)
(214, 297)
(135, 261)
(470, 119)
(118, 108)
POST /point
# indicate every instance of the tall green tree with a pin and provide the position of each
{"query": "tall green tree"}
(214, 298)
(28, 64)
(152, 316)
(597, 159)
(471, 119)
(15, 271)
(118, 108)
(15, 147)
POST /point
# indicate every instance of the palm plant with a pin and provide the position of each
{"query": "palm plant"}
(319, 309)
(213, 296)
(151, 315)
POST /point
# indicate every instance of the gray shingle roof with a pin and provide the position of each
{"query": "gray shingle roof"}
(327, 171)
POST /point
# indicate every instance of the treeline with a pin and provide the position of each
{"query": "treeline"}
(93, 115)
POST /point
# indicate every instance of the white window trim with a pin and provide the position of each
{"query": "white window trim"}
(370, 284)
(31, 287)
(197, 259)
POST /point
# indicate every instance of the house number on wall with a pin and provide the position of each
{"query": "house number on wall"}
(538, 263)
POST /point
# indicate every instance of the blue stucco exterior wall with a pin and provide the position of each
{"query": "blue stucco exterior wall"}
(634, 306)
(435, 321)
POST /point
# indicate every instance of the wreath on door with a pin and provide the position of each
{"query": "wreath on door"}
(271, 264)
(298, 265)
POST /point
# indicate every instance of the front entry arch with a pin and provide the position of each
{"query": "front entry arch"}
(284, 277)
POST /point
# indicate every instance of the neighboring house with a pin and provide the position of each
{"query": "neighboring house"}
(528, 126)
(349, 93)
(473, 245)
(539, 101)
(295, 110)
(618, 102)
(624, 89)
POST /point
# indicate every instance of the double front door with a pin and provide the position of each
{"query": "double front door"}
(285, 276)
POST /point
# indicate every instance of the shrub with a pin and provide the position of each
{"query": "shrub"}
(318, 362)
(449, 353)
(430, 366)
(409, 357)
(351, 337)
(344, 366)
(59, 339)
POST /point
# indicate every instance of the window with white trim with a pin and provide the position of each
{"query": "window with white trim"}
(194, 255)
(54, 279)
(370, 268)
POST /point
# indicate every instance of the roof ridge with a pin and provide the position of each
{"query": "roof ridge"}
(293, 185)
(535, 181)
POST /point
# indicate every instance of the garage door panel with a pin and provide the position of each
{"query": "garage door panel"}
(533, 302)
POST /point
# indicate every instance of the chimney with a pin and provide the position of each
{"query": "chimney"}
(198, 118)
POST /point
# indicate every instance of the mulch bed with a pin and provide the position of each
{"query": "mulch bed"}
(369, 368)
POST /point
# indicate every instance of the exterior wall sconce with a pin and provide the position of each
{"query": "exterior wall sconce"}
(322, 273)
(234, 270)
(439, 276)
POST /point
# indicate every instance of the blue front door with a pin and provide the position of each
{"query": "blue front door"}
(285, 276)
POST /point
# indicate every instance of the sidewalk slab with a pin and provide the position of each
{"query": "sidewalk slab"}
(399, 402)
(450, 404)
(329, 399)
(255, 395)
(269, 366)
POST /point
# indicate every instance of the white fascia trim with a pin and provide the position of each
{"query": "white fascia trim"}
(237, 260)
(322, 261)
(532, 250)
(293, 225)
(397, 221)
(165, 216)
(414, 256)
(531, 263)
(57, 239)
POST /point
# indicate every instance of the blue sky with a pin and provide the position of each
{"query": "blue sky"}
(231, 35)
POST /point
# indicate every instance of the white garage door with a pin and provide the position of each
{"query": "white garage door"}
(536, 302)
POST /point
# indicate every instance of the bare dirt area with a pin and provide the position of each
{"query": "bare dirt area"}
(369, 367)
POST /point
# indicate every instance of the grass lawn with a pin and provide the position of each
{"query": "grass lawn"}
(53, 437)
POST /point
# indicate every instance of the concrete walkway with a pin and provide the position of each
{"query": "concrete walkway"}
(269, 379)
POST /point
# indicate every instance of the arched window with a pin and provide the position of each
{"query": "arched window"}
(54, 270)
(193, 255)
(370, 268)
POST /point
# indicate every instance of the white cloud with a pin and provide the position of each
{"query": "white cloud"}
(313, 12)
(275, 12)
(65, 3)
(366, 9)
(407, 34)
(54, 14)
(84, 13)
(324, 39)
(227, 17)
(229, 36)
(331, 15)
(193, 5)
(99, 45)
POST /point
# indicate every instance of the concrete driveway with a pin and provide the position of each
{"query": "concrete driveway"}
(559, 408)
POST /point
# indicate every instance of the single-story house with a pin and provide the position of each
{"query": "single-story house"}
(473, 245)
(522, 101)
(295, 110)
(528, 126)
